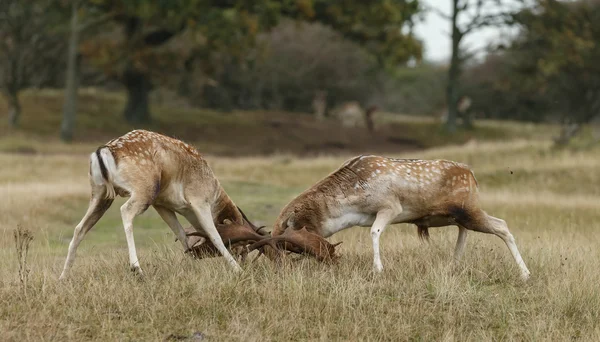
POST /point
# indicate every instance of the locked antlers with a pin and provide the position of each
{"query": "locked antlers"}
(246, 239)
(302, 242)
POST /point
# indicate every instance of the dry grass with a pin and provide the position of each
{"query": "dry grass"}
(550, 201)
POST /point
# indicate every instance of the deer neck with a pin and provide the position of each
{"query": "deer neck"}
(331, 205)
(317, 211)
(224, 208)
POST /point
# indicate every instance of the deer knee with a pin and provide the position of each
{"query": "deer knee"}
(376, 232)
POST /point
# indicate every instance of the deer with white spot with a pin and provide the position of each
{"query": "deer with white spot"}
(377, 191)
(153, 169)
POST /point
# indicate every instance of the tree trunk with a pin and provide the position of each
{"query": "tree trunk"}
(14, 108)
(453, 72)
(138, 88)
(70, 108)
(451, 96)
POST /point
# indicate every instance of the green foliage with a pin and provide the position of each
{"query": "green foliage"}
(417, 91)
(293, 62)
(152, 40)
(148, 25)
(383, 27)
(29, 41)
(550, 70)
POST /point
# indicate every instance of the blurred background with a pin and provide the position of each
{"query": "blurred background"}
(306, 77)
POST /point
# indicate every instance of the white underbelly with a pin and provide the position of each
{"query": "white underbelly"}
(347, 220)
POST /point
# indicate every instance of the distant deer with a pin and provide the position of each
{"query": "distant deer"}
(377, 191)
(462, 111)
(350, 114)
(168, 174)
(319, 104)
(369, 118)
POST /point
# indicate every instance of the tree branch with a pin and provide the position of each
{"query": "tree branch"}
(437, 11)
(96, 21)
(484, 21)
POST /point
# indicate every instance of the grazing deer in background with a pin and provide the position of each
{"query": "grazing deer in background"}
(377, 191)
(319, 104)
(369, 122)
(349, 114)
(153, 169)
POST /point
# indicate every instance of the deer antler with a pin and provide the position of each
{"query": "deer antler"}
(259, 230)
(302, 242)
(233, 235)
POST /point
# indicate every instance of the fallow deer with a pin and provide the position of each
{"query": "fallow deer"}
(349, 114)
(376, 191)
(153, 169)
(369, 122)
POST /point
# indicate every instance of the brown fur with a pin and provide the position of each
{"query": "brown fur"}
(153, 169)
(150, 158)
(376, 191)
(358, 179)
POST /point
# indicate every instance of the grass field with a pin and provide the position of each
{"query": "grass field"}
(549, 199)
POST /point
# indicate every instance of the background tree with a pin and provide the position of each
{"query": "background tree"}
(466, 17)
(83, 19)
(338, 47)
(29, 43)
(382, 27)
(290, 65)
(137, 52)
(562, 37)
(548, 72)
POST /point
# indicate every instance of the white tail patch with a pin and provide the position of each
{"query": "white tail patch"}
(96, 171)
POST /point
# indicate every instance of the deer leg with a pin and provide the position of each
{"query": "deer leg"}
(170, 218)
(98, 206)
(492, 225)
(135, 206)
(381, 221)
(460, 243)
(500, 229)
(203, 216)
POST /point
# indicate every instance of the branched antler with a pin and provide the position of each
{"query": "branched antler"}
(302, 242)
(242, 239)
(235, 236)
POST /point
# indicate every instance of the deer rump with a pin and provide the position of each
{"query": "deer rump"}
(242, 239)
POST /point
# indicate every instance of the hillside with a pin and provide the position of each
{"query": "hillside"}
(233, 133)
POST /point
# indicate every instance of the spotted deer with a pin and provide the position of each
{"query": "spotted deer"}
(377, 191)
(168, 174)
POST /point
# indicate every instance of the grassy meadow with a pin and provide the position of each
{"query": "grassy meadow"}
(549, 198)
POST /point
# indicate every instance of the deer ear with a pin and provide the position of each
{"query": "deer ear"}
(227, 221)
(290, 221)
